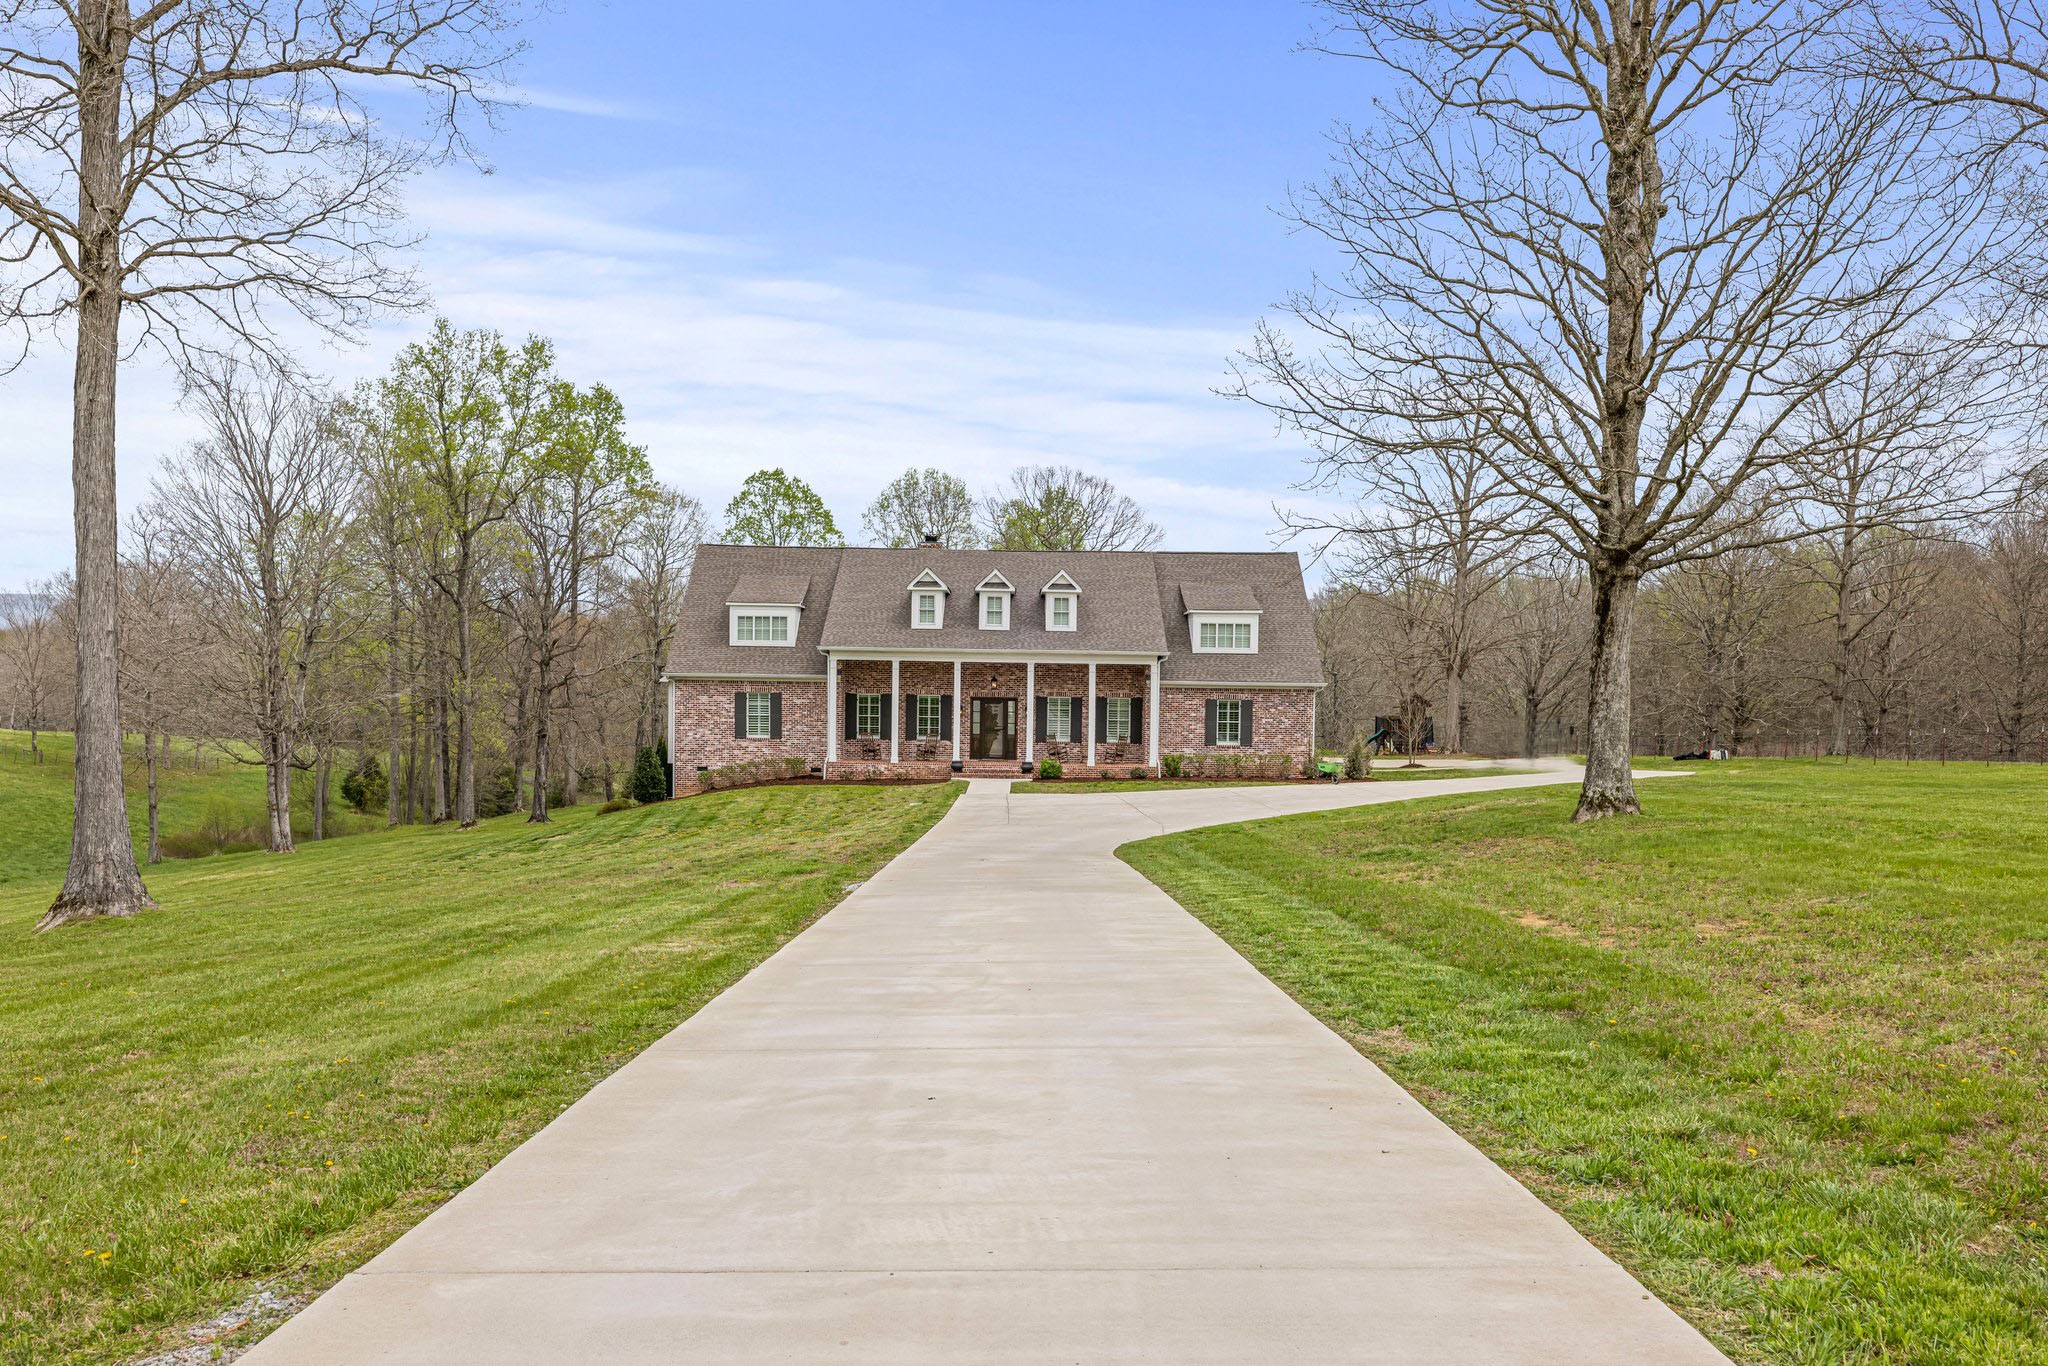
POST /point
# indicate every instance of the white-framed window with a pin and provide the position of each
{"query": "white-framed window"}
(1116, 730)
(1059, 718)
(867, 716)
(995, 611)
(1226, 634)
(1230, 723)
(763, 626)
(1059, 612)
(760, 714)
(927, 610)
(928, 711)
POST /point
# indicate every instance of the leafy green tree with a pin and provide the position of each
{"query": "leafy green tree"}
(776, 508)
(920, 503)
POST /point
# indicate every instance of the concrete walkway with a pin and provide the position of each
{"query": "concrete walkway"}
(1007, 1103)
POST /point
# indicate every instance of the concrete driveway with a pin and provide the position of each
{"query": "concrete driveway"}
(1007, 1103)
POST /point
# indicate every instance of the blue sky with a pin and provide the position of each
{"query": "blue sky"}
(850, 239)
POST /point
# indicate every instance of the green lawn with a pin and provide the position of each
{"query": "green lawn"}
(299, 1057)
(1779, 1045)
(35, 804)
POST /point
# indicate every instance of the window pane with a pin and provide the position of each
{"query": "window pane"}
(1227, 723)
(1244, 635)
(778, 628)
(757, 715)
(1062, 611)
(1118, 731)
(995, 610)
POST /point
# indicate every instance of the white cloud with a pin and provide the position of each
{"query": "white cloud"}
(844, 372)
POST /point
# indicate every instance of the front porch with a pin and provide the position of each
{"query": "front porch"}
(995, 714)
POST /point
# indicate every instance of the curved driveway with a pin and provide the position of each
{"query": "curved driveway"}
(1007, 1103)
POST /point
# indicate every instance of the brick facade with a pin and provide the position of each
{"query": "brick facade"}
(704, 727)
(1281, 721)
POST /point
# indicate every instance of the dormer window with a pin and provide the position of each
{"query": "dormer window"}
(1225, 633)
(927, 602)
(994, 593)
(764, 609)
(1062, 603)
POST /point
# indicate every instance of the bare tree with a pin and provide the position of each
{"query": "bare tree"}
(2011, 618)
(1611, 242)
(1543, 610)
(256, 510)
(1057, 507)
(1902, 447)
(162, 630)
(656, 557)
(31, 642)
(920, 503)
(191, 160)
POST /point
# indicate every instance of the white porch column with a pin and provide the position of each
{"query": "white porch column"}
(956, 711)
(1028, 709)
(895, 709)
(1089, 713)
(1152, 720)
(831, 710)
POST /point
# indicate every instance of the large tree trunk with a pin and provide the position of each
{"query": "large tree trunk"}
(538, 815)
(392, 708)
(465, 703)
(1532, 715)
(102, 878)
(1451, 735)
(320, 776)
(149, 764)
(1609, 788)
(278, 758)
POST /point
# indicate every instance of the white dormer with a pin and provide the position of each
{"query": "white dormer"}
(765, 609)
(927, 602)
(1062, 598)
(993, 595)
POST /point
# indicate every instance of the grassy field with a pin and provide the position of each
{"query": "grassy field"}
(1780, 1045)
(35, 804)
(297, 1058)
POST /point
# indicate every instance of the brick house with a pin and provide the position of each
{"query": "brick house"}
(872, 662)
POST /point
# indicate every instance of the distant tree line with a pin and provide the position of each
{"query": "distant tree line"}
(1887, 637)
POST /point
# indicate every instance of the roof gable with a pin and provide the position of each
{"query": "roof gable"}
(1060, 582)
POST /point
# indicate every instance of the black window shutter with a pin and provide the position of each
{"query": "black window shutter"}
(945, 716)
(1040, 731)
(1077, 717)
(888, 721)
(775, 716)
(1138, 720)
(1209, 722)
(1101, 718)
(1244, 722)
(852, 715)
(910, 716)
(739, 716)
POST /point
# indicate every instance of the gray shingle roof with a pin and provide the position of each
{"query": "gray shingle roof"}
(1218, 597)
(769, 590)
(1132, 602)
